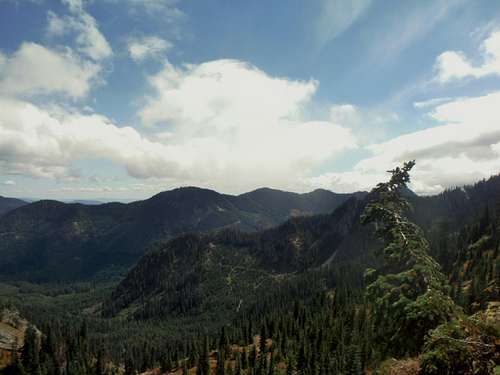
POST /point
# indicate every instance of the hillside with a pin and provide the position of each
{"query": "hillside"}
(50, 240)
(299, 284)
(186, 275)
(9, 204)
(227, 270)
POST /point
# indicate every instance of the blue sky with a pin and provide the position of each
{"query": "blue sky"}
(122, 99)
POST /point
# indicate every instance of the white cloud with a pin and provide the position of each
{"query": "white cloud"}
(148, 47)
(44, 142)
(462, 149)
(34, 69)
(231, 119)
(232, 127)
(89, 39)
(337, 16)
(453, 65)
(9, 183)
(223, 94)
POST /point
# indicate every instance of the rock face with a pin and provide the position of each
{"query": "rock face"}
(12, 330)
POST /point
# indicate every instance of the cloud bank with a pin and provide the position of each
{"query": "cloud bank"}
(463, 148)
(213, 120)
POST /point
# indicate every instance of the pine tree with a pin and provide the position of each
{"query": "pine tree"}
(15, 367)
(262, 341)
(244, 359)
(221, 369)
(253, 357)
(30, 354)
(409, 293)
(238, 364)
(204, 365)
(99, 366)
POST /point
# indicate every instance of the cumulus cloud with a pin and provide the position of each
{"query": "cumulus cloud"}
(243, 123)
(231, 127)
(46, 142)
(89, 39)
(34, 69)
(147, 47)
(463, 148)
(223, 94)
(452, 65)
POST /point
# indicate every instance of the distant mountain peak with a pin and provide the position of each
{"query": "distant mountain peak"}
(9, 204)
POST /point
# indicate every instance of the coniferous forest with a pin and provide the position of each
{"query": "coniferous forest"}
(397, 297)
(249, 187)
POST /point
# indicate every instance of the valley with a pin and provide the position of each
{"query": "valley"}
(184, 290)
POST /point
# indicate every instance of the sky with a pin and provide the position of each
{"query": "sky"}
(122, 99)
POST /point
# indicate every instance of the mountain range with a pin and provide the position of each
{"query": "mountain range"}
(187, 274)
(50, 240)
(190, 269)
(9, 204)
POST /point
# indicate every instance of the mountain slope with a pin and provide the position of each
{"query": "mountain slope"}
(9, 204)
(50, 240)
(226, 270)
(186, 275)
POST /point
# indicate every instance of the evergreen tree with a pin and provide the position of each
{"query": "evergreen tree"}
(15, 367)
(204, 365)
(30, 354)
(238, 364)
(408, 293)
(99, 366)
(221, 369)
(244, 359)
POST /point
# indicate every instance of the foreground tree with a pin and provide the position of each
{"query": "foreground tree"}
(409, 293)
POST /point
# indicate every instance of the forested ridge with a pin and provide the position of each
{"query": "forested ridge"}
(390, 283)
(51, 241)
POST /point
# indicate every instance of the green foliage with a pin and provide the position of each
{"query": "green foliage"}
(300, 287)
(409, 293)
(463, 346)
